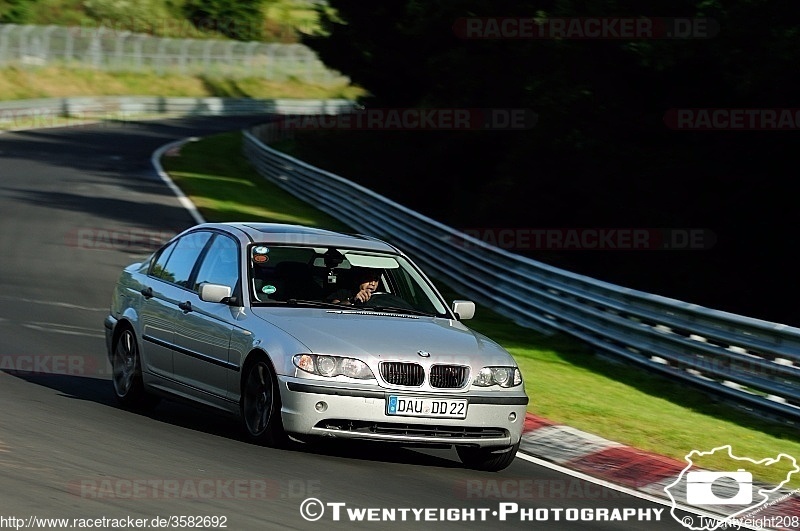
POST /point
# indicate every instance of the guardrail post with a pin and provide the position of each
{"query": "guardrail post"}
(48, 32)
(119, 49)
(96, 48)
(184, 55)
(5, 32)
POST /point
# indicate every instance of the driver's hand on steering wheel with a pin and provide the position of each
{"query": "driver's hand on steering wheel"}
(365, 291)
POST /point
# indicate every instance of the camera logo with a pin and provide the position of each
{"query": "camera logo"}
(700, 488)
(709, 499)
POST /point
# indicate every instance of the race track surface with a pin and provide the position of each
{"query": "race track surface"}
(75, 206)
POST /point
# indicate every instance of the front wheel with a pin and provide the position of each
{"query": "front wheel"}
(261, 405)
(126, 373)
(487, 459)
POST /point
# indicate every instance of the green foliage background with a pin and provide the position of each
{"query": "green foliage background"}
(601, 154)
(269, 20)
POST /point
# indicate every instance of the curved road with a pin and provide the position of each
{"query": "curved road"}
(68, 198)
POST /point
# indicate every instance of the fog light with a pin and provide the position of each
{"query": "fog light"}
(512, 417)
(321, 406)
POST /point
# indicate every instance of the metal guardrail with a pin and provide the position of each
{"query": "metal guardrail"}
(754, 363)
(46, 112)
(115, 50)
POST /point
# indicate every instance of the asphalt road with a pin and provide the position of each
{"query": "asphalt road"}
(71, 200)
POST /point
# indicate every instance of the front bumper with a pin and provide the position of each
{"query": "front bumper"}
(493, 419)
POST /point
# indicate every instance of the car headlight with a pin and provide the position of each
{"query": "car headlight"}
(502, 376)
(331, 366)
(326, 365)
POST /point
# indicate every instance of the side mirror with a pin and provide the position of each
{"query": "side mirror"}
(464, 310)
(214, 292)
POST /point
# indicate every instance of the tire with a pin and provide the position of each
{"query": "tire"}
(126, 373)
(487, 459)
(260, 405)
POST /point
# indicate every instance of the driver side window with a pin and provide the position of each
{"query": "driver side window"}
(220, 265)
(176, 263)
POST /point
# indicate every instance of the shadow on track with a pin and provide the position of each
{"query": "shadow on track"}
(204, 420)
(115, 147)
(124, 213)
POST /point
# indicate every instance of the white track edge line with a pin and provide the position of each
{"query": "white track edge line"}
(155, 160)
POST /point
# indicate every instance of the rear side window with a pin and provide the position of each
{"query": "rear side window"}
(178, 266)
(160, 263)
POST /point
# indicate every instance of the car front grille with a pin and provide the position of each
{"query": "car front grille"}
(449, 376)
(398, 373)
(413, 375)
(412, 430)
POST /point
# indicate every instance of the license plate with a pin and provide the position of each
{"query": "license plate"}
(416, 406)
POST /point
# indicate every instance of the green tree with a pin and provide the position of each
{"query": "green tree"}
(601, 103)
(238, 19)
(15, 11)
(600, 154)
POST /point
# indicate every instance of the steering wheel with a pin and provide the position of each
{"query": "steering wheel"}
(374, 294)
(385, 298)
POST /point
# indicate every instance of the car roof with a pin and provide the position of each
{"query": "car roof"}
(287, 234)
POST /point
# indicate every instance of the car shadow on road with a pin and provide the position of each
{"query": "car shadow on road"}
(207, 421)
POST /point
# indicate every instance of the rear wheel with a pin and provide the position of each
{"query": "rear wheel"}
(126, 373)
(487, 459)
(261, 405)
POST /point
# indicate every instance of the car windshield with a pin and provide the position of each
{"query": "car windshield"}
(331, 278)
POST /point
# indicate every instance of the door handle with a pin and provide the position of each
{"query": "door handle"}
(185, 306)
(147, 292)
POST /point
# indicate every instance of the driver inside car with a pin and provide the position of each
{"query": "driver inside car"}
(365, 284)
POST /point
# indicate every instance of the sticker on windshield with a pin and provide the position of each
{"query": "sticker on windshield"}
(269, 289)
(260, 254)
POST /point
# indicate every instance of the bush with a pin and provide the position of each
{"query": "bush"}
(138, 16)
(15, 11)
(238, 19)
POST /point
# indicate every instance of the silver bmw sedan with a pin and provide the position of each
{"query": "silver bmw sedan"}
(305, 333)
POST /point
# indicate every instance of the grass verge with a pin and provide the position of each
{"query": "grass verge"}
(63, 81)
(224, 187)
(566, 382)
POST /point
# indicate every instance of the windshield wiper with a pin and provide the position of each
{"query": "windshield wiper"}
(396, 309)
(316, 304)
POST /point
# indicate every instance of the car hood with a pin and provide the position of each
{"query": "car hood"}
(382, 337)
